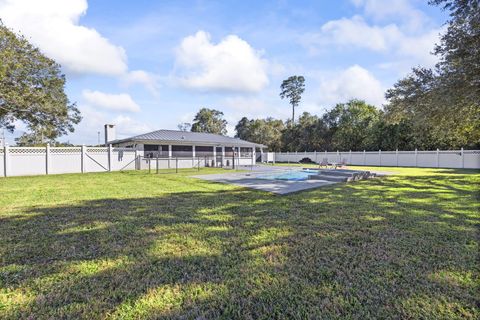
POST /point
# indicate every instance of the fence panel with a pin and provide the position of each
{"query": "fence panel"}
(450, 159)
(427, 159)
(406, 159)
(27, 161)
(471, 159)
(97, 159)
(431, 159)
(65, 160)
(122, 159)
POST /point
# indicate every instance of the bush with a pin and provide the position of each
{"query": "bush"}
(306, 160)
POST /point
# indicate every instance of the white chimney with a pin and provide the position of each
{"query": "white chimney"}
(109, 133)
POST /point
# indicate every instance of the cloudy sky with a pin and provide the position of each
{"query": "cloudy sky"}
(145, 65)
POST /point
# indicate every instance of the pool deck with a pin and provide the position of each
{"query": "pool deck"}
(249, 180)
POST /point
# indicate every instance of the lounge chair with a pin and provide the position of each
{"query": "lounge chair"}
(342, 163)
(324, 163)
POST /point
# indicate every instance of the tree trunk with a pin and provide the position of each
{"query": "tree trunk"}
(293, 115)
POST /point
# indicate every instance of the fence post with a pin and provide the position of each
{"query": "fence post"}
(463, 158)
(6, 160)
(364, 158)
(380, 157)
(396, 156)
(416, 157)
(83, 158)
(149, 165)
(438, 158)
(109, 157)
(157, 163)
(316, 160)
(176, 165)
(47, 158)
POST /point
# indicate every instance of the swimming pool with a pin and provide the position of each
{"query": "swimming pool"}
(293, 175)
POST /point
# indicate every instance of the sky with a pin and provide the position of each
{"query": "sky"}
(148, 65)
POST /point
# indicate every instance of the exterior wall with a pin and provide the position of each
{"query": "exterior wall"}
(468, 159)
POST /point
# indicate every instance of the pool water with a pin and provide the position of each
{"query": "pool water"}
(289, 175)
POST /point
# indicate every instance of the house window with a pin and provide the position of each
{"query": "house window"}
(182, 151)
(246, 152)
(203, 151)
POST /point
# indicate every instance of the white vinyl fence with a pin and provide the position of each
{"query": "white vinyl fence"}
(22, 161)
(434, 159)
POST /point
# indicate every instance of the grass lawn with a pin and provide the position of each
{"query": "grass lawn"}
(132, 245)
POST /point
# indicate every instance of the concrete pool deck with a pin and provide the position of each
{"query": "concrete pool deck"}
(249, 180)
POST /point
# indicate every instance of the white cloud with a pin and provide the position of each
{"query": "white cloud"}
(231, 65)
(353, 82)
(390, 39)
(381, 10)
(115, 102)
(355, 31)
(148, 80)
(53, 26)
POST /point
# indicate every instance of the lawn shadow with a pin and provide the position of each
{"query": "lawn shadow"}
(348, 250)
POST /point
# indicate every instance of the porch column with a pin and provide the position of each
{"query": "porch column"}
(214, 156)
(193, 156)
(223, 156)
(169, 155)
(254, 155)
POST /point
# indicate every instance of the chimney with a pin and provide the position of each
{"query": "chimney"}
(109, 133)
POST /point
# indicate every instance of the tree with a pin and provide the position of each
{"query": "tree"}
(309, 134)
(34, 139)
(209, 121)
(444, 103)
(184, 126)
(351, 125)
(292, 88)
(243, 129)
(264, 131)
(32, 89)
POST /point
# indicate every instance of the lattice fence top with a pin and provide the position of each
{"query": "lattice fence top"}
(27, 150)
(66, 150)
(97, 149)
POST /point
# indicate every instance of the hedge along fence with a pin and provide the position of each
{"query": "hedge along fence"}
(429, 159)
(21, 161)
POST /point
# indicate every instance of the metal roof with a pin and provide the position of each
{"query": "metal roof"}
(189, 137)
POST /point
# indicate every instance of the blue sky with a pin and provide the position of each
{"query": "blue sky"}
(146, 65)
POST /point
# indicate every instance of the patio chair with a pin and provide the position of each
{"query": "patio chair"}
(324, 163)
(342, 163)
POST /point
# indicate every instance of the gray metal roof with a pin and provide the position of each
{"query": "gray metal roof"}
(189, 137)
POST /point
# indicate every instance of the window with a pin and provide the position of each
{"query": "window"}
(201, 151)
(182, 151)
(246, 152)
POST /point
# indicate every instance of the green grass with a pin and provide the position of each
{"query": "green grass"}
(132, 245)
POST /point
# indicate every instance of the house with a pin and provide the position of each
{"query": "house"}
(219, 149)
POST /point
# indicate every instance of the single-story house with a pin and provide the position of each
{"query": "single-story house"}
(184, 144)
